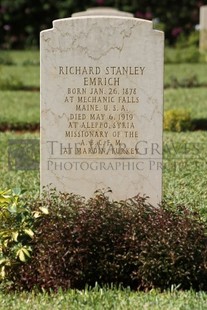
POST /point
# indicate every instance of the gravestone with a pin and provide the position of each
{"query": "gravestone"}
(102, 11)
(203, 29)
(102, 106)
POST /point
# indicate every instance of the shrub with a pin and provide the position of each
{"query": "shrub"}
(175, 18)
(127, 242)
(177, 120)
(174, 252)
(16, 230)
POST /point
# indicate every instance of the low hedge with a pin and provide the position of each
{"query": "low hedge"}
(177, 120)
(128, 243)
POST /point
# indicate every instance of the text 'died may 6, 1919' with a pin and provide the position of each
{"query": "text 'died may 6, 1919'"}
(102, 107)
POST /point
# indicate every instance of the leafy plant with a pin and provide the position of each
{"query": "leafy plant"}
(16, 230)
(177, 120)
(123, 242)
(31, 17)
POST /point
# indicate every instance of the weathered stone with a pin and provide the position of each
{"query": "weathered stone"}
(104, 11)
(102, 106)
(203, 29)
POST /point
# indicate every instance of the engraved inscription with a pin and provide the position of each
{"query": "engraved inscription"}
(103, 107)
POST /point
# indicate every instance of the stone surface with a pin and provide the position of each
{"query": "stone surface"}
(102, 11)
(203, 28)
(102, 106)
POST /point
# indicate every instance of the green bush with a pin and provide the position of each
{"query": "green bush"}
(102, 241)
(16, 230)
(177, 120)
(22, 20)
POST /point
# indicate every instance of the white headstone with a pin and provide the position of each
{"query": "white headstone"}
(104, 11)
(203, 29)
(102, 106)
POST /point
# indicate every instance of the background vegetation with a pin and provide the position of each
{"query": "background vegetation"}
(22, 20)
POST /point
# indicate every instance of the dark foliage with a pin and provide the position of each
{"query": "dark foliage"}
(127, 242)
(22, 20)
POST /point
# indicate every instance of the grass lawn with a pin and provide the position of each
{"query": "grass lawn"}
(99, 299)
(28, 76)
(28, 179)
(19, 107)
(184, 170)
(185, 71)
(20, 67)
(193, 100)
(19, 58)
(184, 178)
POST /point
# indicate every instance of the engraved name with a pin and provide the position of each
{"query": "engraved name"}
(77, 70)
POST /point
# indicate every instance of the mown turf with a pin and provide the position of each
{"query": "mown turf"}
(184, 169)
(105, 299)
(185, 72)
(10, 176)
(191, 99)
(19, 107)
(27, 76)
(20, 57)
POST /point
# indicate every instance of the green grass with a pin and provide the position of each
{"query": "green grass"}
(184, 169)
(103, 299)
(185, 71)
(21, 57)
(24, 67)
(19, 107)
(28, 76)
(28, 179)
(191, 99)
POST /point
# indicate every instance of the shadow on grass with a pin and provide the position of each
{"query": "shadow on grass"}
(20, 127)
(199, 124)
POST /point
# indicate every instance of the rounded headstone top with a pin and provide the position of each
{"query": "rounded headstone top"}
(102, 11)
